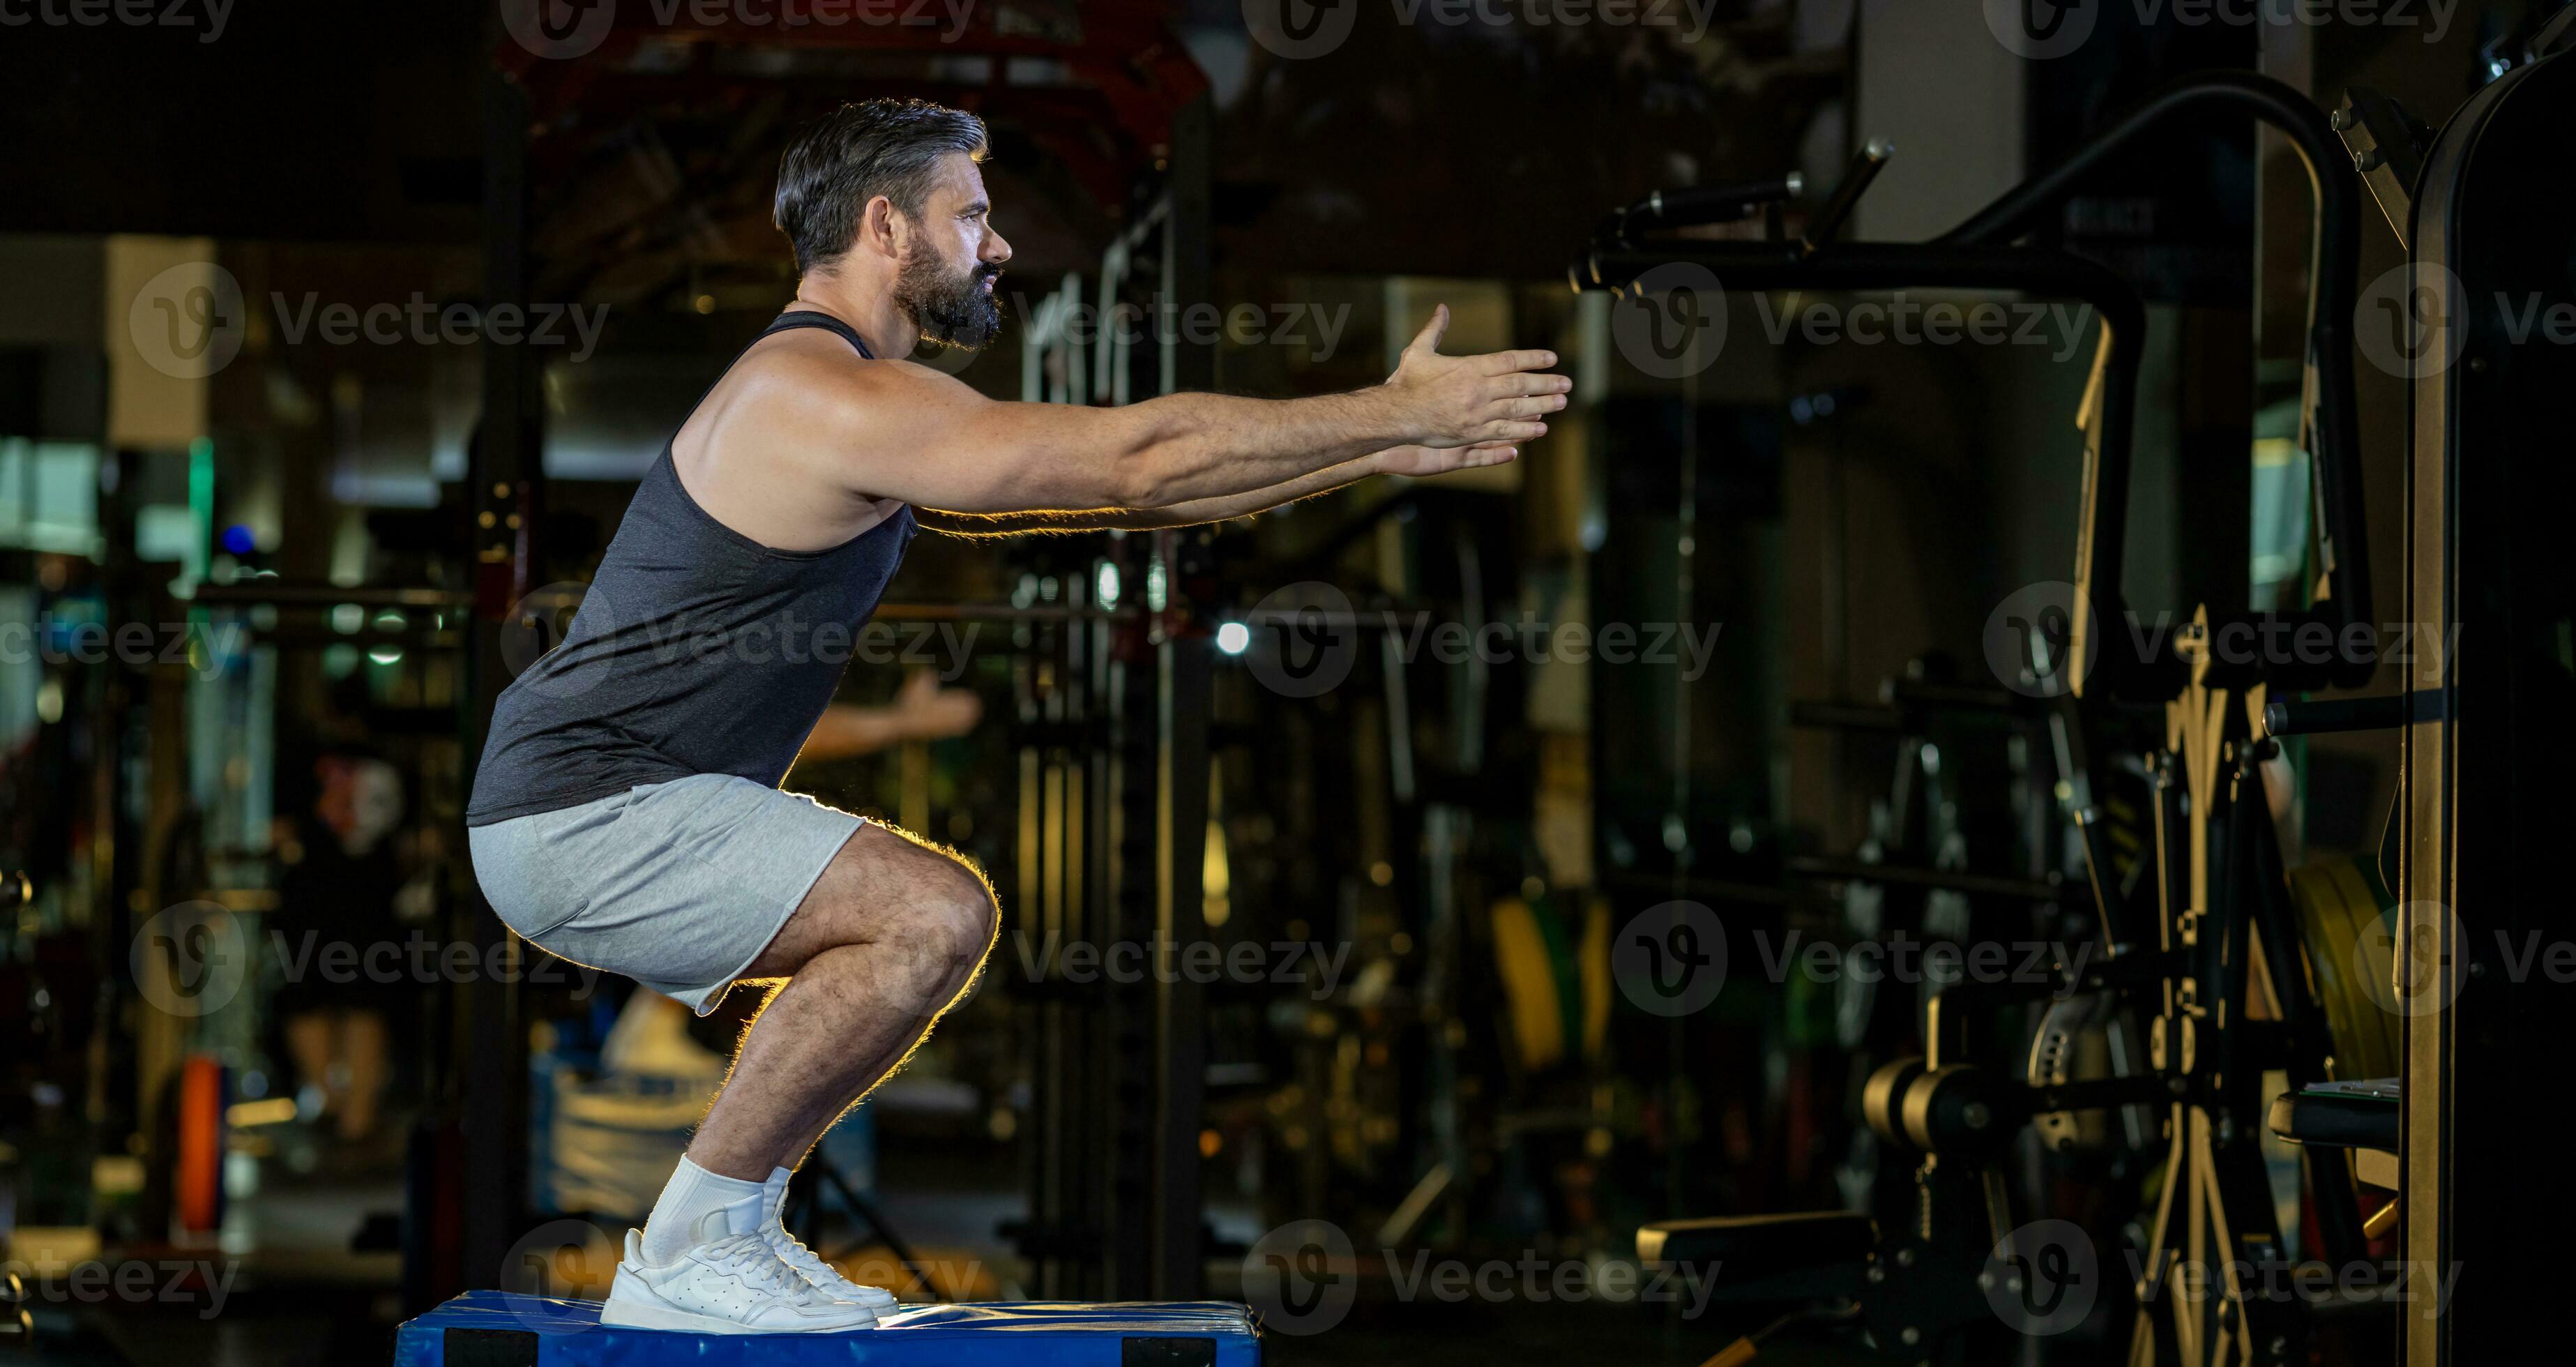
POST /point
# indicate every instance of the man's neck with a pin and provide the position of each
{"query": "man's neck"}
(889, 332)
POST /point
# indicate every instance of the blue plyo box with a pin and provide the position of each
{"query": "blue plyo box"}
(502, 1329)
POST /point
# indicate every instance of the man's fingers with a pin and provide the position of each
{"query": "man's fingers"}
(1522, 384)
(1534, 405)
(1506, 362)
(1504, 433)
(1428, 340)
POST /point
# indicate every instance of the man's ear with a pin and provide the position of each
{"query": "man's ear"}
(881, 228)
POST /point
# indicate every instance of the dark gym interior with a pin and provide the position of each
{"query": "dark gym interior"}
(1976, 800)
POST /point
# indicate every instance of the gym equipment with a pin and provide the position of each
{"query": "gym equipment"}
(500, 1329)
(2484, 804)
(2204, 958)
(2346, 926)
(2132, 664)
(2361, 1117)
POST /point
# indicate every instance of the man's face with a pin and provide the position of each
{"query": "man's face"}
(952, 259)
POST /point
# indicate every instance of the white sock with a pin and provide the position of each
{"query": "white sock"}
(680, 1220)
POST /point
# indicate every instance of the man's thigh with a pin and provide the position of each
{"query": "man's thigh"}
(875, 890)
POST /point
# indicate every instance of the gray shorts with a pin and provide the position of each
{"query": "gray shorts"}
(677, 885)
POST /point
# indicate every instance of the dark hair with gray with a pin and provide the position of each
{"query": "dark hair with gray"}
(856, 153)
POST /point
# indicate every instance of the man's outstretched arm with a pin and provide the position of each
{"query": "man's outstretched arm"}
(907, 432)
(1409, 460)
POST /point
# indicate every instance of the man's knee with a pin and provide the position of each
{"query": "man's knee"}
(955, 914)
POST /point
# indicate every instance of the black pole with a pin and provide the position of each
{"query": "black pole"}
(501, 468)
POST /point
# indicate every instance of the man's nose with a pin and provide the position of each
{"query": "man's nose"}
(996, 250)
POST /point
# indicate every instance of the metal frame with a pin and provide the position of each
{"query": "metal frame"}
(2484, 799)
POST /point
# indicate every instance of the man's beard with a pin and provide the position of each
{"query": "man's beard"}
(952, 309)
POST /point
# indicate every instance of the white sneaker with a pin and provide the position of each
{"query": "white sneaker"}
(818, 1274)
(732, 1284)
(825, 1279)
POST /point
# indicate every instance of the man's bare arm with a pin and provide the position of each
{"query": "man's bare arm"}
(910, 433)
(1403, 461)
(921, 710)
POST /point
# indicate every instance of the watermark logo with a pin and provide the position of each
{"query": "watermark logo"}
(167, 14)
(1280, 963)
(2423, 950)
(204, 1283)
(542, 621)
(2042, 30)
(188, 321)
(1301, 1277)
(1671, 959)
(1671, 321)
(2030, 640)
(191, 959)
(1301, 327)
(1300, 29)
(1907, 321)
(1304, 639)
(2407, 322)
(560, 1260)
(559, 30)
(2042, 1278)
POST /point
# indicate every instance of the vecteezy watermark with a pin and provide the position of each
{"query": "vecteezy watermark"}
(1671, 321)
(422, 960)
(189, 321)
(1670, 959)
(558, 1261)
(1302, 639)
(2031, 648)
(2413, 321)
(194, 958)
(2042, 1278)
(1311, 328)
(1903, 320)
(2421, 1285)
(559, 30)
(2042, 30)
(1299, 29)
(1902, 958)
(190, 959)
(203, 646)
(203, 1282)
(2030, 640)
(1126, 962)
(207, 17)
(1304, 1276)
(543, 620)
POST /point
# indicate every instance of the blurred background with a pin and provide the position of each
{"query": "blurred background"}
(333, 339)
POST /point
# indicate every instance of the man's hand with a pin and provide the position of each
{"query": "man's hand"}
(922, 710)
(1473, 401)
(1417, 462)
(925, 711)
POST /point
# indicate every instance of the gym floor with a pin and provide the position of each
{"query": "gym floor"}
(1466, 915)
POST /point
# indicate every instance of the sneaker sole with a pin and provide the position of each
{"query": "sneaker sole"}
(618, 1314)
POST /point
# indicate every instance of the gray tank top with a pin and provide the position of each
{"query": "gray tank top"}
(696, 650)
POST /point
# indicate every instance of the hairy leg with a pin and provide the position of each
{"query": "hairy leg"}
(888, 938)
